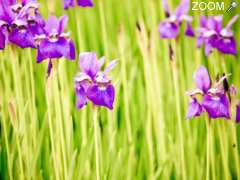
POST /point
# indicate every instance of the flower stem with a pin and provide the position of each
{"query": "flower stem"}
(96, 142)
(208, 122)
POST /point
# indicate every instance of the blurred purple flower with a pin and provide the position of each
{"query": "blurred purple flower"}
(169, 28)
(213, 35)
(54, 42)
(213, 99)
(19, 22)
(82, 3)
(93, 84)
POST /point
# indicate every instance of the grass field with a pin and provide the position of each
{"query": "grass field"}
(146, 136)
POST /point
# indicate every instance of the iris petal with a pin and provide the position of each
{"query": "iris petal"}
(81, 96)
(58, 49)
(168, 29)
(202, 79)
(102, 96)
(22, 38)
(85, 3)
(89, 64)
(194, 109)
(216, 106)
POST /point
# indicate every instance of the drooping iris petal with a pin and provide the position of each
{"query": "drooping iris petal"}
(194, 109)
(89, 64)
(102, 95)
(81, 96)
(202, 79)
(238, 113)
(226, 45)
(56, 49)
(189, 30)
(22, 38)
(85, 3)
(2, 40)
(168, 29)
(68, 3)
(216, 106)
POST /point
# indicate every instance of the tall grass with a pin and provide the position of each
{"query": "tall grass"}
(146, 136)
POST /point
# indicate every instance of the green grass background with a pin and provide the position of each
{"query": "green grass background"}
(146, 136)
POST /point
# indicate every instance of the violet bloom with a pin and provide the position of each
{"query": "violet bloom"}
(19, 22)
(170, 27)
(211, 34)
(54, 42)
(213, 99)
(93, 84)
(72, 3)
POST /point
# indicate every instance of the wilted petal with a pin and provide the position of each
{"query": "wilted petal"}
(49, 49)
(189, 30)
(102, 96)
(85, 3)
(68, 3)
(89, 64)
(81, 96)
(216, 106)
(168, 29)
(202, 79)
(22, 38)
(194, 109)
(238, 113)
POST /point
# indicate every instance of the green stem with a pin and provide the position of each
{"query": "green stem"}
(95, 123)
(208, 147)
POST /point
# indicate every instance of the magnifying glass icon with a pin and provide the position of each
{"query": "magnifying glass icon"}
(233, 5)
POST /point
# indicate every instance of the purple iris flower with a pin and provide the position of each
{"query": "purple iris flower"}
(82, 3)
(54, 42)
(213, 99)
(213, 35)
(93, 84)
(170, 27)
(19, 22)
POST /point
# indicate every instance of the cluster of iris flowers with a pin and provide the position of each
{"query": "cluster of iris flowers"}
(214, 99)
(211, 32)
(21, 24)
